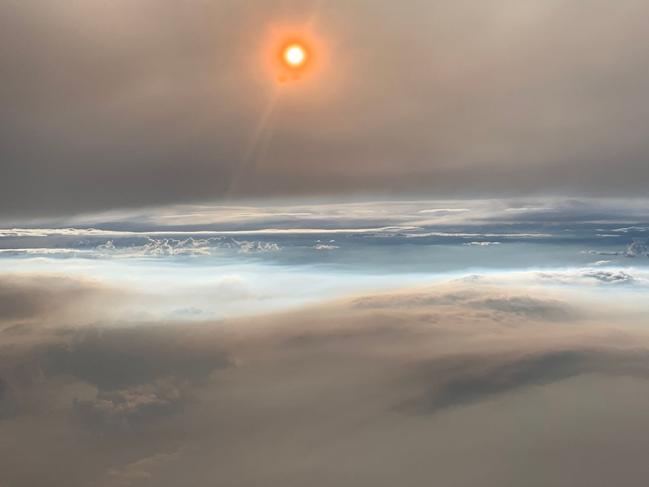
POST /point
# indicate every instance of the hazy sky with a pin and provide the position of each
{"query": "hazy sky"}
(423, 262)
(128, 103)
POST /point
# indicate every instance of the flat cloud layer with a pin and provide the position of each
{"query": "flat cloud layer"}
(471, 383)
(124, 104)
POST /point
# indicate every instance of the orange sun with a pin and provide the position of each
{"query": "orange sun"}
(294, 55)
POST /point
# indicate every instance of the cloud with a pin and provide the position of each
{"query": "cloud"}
(469, 384)
(370, 384)
(490, 376)
(527, 306)
(610, 277)
(112, 359)
(141, 470)
(129, 406)
(324, 246)
(637, 249)
(481, 244)
(170, 247)
(41, 251)
(25, 297)
(474, 235)
(445, 211)
(602, 276)
(523, 305)
(631, 229)
(91, 232)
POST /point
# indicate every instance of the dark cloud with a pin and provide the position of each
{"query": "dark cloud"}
(464, 383)
(115, 358)
(139, 373)
(132, 407)
(117, 104)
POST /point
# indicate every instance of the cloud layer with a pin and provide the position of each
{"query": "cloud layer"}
(405, 386)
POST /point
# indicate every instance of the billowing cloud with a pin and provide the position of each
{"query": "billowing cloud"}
(367, 384)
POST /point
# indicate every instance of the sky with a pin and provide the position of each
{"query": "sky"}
(421, 258)
(125, 104)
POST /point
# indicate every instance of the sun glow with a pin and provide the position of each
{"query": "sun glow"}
(294, 55)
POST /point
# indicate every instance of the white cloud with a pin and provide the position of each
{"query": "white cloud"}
(481, 244)
(170, 247)
(594, 276)
(324, 246)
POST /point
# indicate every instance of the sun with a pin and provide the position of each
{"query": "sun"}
(294, 55)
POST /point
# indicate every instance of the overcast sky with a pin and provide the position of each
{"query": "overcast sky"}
(110, 104)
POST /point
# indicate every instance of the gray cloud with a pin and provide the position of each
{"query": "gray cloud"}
(131, 407)
(528, 307)
(464, 383)
(521, 305)
(615, 277)
(142, 470)
(115, 358)
(122, 104)
(637, 249)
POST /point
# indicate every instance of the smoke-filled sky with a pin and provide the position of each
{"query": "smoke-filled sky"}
(128, 103)
(419, 258)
